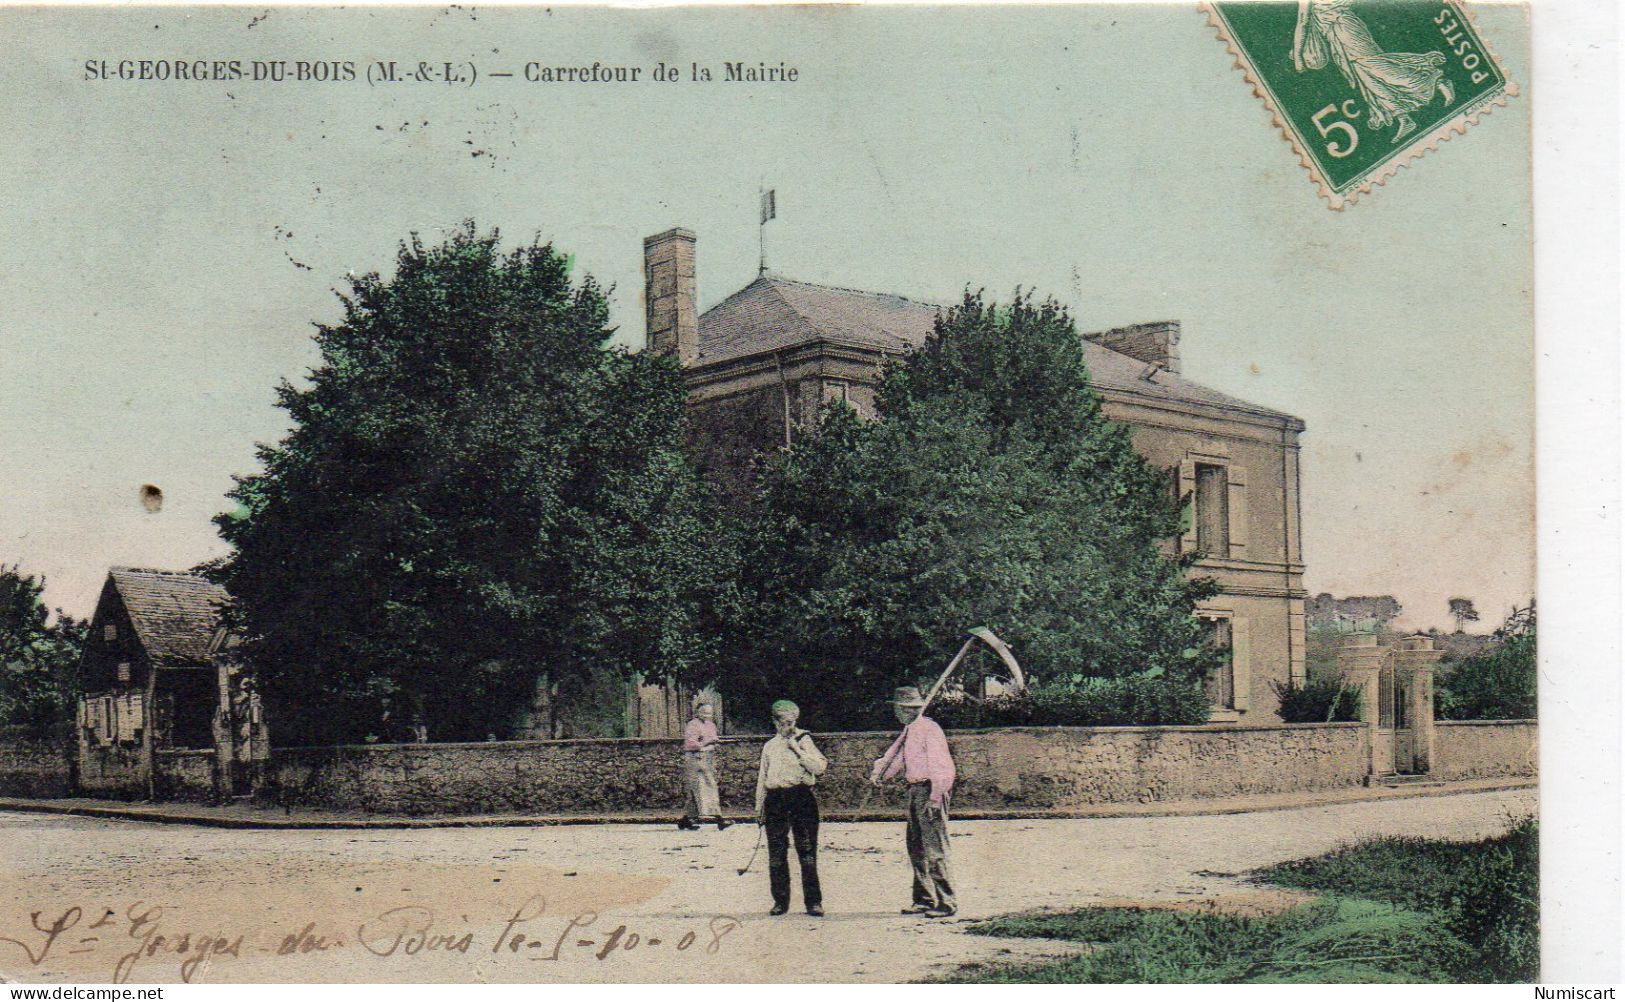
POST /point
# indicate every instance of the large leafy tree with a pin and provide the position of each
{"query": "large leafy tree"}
(1497, 683)
(992, 490)
(478, 498)
(39, 655)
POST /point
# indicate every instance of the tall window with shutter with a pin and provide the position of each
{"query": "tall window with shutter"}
(1212, 510)
(1221, 688)
(1214, 493)
(1230, 688)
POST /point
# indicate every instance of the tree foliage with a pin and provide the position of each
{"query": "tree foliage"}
(477, 493)
(39, 656)
(1497, 683)
(1462, 611)
(992, 491)
(1074, 701)
(1323, 697)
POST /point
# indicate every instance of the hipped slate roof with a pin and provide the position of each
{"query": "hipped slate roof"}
(176, 615)
(774, 313)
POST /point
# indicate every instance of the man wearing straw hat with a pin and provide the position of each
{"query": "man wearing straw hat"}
(921, 754)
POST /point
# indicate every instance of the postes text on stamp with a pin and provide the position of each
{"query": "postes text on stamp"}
(1362, 87)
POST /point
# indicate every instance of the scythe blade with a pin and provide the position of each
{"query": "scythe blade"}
(1003, 651)
(1000, 648)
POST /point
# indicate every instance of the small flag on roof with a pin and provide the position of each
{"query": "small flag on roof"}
(769, 206)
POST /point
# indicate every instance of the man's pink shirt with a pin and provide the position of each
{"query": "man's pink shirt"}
(924, 757)
(699, 734)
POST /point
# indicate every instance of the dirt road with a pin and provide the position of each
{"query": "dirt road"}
(152, 903)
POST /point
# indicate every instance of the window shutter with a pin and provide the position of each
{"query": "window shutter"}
(1187, 497)
(1241, 658)
(1238, 510)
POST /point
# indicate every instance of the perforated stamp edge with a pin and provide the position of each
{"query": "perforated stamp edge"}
(1456, 125)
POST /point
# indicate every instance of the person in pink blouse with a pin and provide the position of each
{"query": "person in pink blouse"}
(921, 755)
(700, 740)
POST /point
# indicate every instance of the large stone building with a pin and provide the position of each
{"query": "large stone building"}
(761, 362)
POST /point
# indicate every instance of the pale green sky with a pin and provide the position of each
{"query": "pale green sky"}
(150, 299)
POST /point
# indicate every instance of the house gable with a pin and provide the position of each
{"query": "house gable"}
(147, 619)
(112, 641)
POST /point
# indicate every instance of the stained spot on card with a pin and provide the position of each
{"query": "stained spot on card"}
(152, 498)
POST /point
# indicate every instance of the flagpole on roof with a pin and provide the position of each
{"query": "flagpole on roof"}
(769, 211)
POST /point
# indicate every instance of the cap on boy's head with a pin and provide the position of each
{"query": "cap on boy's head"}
(785, 706)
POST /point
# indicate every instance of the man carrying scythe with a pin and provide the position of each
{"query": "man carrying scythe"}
(921, 754)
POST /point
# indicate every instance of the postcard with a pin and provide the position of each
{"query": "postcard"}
(784, 494)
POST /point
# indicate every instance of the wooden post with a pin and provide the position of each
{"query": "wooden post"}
(149, 717)
(224, 733)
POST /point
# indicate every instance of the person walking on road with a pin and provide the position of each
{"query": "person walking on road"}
(700, 740)
(921, 754)
(787, 806)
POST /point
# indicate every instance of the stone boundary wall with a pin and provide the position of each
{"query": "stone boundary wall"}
(112, 771)
(185, 774)
(34, 765)
(1482, 749)
(1013, 768)
(1010, 768)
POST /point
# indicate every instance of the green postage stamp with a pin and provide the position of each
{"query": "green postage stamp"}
(1362, 88)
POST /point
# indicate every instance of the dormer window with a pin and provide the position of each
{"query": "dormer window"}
(124, 672)
(109, 633)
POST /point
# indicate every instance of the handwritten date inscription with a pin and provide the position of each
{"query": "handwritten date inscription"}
(143, 935)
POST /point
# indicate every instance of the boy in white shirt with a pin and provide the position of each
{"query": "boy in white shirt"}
(786, 804)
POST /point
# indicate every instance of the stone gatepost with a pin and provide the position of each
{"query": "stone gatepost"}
(1415, 659)
(1361, 661)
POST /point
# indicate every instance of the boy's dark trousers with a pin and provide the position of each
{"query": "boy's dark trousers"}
(792, 811)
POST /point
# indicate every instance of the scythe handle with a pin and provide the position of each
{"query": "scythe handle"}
(983, 634)
(946, 673)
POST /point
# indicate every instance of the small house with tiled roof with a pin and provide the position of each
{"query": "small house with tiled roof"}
(761, 362)
(157, 681)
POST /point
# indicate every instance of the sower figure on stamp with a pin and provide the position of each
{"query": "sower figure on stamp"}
(1393, 84)
(786, 804)
(921, 754)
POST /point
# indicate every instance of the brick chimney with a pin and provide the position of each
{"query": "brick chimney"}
(669, 295)
(1155, 343)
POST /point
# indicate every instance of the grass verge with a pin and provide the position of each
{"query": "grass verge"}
(1391, 910)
